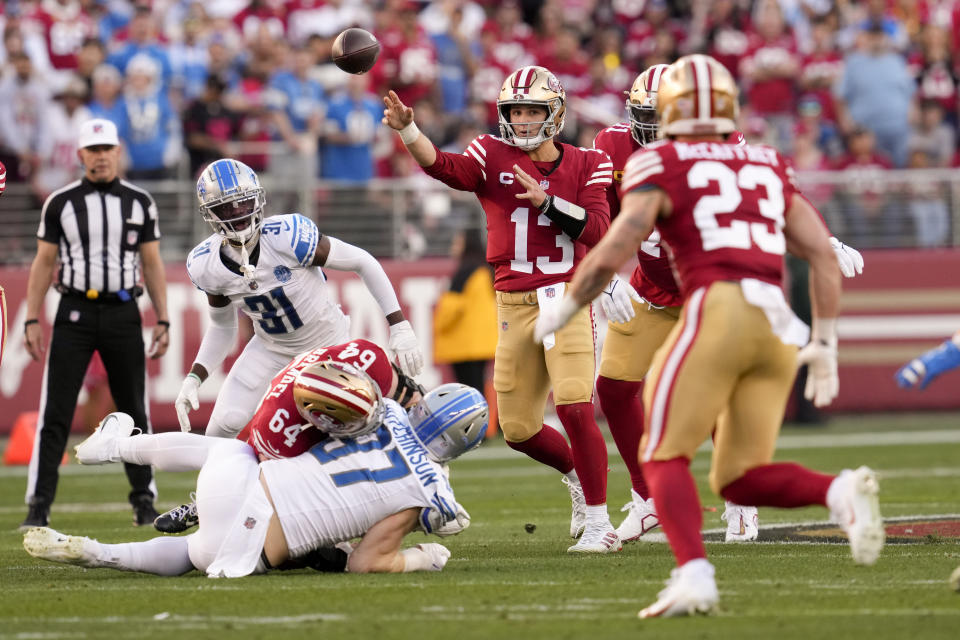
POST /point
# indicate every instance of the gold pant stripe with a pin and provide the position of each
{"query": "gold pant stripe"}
(658, 414)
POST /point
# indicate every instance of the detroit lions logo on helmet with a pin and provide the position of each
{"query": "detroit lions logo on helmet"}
(282, 273)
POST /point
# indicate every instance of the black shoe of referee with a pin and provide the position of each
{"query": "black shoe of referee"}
(178, 519)
(143, 511)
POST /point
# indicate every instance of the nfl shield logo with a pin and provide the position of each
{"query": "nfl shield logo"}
(74, 315)
(503, 326)
(250, 523)
(98, 128)
(544, 184)
(550, 292)
(131, 237)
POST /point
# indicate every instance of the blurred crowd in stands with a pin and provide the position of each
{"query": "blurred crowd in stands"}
(860, 87)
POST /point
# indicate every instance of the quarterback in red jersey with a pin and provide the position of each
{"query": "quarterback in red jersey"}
(277, 430)
(727, 214)
(538, 229)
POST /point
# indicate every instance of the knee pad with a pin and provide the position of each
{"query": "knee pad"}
(572, 390)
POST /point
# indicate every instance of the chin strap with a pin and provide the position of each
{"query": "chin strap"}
(245, 266)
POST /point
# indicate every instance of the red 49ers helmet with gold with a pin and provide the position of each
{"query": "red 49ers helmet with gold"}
(531, 86)
(697, 96)
(338, 399)
(642, 104)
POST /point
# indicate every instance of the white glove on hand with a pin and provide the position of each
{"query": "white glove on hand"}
(432, 521)
(187, 399)
(849, 259)
(617, 300)
(553, 318)
(404, 345)
(823, 383)
(437, 553)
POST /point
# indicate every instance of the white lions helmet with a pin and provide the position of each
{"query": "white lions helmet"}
(531, 86)
(232, 200)
(450, 420)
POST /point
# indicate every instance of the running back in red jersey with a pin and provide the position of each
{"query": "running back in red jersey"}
(728, 208)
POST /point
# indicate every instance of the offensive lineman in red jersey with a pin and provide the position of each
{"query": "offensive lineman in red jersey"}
(642, 313)
(727, 214)
(538, 230)
(276, 429)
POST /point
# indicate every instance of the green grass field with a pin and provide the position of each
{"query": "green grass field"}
(503, 582)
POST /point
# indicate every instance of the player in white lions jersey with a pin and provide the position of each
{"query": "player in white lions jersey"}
(269, 268)
(383, 481)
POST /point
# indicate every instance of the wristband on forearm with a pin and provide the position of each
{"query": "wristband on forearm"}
(409, 134)
(571, 218)
(27, 323)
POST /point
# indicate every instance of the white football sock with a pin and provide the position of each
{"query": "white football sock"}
(170, 451)
(160, 556)
(597, 513)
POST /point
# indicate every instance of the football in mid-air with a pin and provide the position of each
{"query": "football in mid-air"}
(355, 50)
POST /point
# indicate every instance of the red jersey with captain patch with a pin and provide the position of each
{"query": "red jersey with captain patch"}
(729, 206)
(277, 430)
(653, 277)
(526, 249)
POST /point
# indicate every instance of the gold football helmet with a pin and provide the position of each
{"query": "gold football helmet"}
(697, 96)
(534, 86)
(642, 103)
(338, 399)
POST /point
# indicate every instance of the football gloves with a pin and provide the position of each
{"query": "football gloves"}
(433, 521)
(187, 399)
(617, 300)
(922, 370)
(404, 345)
(823, 383)
(849, 259)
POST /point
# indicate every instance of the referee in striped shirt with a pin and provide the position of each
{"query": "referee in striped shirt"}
(102, 231)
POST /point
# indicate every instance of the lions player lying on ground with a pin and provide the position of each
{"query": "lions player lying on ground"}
(379, 476)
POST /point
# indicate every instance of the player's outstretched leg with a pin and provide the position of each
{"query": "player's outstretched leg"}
(47, 544)
(743, 523)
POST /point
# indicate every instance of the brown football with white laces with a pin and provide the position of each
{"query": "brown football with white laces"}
(355, 50)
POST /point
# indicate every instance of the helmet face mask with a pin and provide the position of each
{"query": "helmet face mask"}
(450, 420)
(531, 87)
(642, 105)
(231, 200)
(338, 399)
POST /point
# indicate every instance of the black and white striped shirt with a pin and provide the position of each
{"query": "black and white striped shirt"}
(99, 229)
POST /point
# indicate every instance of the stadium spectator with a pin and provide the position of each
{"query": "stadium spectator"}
(209, 126)
(822, 67)
(408, 59)
(514, 44)
(934, 69)
(768, 70)
(298, 104)
(153, 131)
(350, 132)
(259, 14)
(932, 136)
(863, 192)
(141, 38)
(641, 39)
(57, 158)
(882, 107)
(927, 204)
(91, 55)
(24, 98)
(456, 57)
(189, 58)
(325, 18)
(722, 31)
(106, 101)
(65, 25)
(568, 62)
(99, 284)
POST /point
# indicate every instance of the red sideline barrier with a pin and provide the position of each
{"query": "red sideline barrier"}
(904, 303)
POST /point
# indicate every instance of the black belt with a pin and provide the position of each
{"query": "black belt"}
(101, 297)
